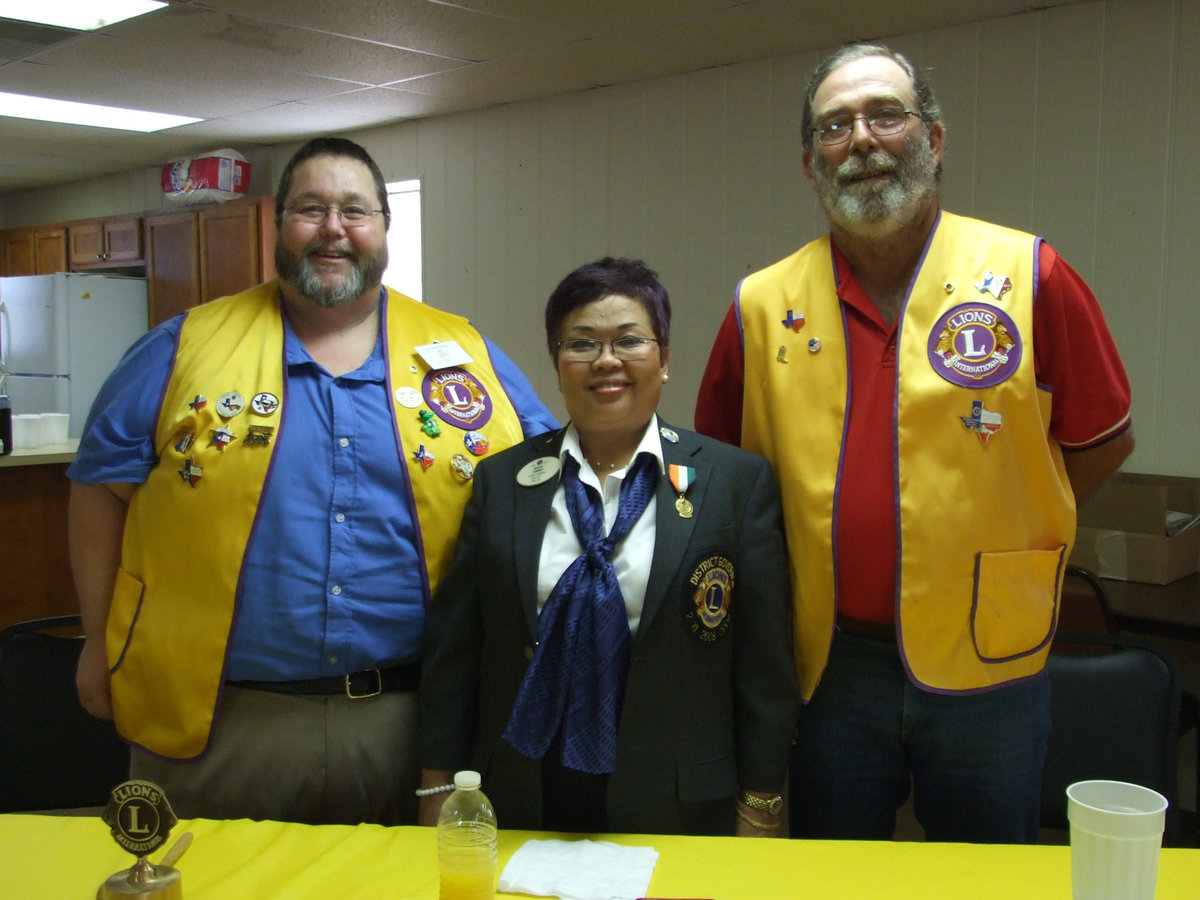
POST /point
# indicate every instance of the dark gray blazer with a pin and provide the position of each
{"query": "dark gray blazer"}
(710, 701)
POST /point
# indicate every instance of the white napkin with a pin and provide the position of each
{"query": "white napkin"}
(579, 870)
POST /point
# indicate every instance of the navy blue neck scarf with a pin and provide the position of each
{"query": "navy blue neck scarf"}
(576, 681)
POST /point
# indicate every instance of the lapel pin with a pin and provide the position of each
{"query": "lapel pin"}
(264, 404)
(230, 404)
(424, 457)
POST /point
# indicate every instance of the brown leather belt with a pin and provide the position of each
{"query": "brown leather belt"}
(878, 631)
(356, 686)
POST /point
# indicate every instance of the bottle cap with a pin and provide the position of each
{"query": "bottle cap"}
(467, 780)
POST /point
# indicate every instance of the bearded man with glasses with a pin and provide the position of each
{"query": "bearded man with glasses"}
(266, 494)
(933, 428)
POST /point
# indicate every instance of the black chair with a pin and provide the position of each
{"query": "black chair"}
(1084, 607)
(1114, 715)
(53, 755)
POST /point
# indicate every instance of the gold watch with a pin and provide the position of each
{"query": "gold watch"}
(774, 805)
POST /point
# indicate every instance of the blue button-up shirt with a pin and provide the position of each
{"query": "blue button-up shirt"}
(332, 582)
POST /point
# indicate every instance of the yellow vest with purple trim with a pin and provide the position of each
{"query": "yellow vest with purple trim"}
(176, 592)
(985, 512)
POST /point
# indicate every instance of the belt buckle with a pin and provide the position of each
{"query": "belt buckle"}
(368, 693)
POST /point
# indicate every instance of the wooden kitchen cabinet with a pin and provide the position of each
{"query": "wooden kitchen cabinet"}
(198, 255)
(105, 243)
(50, 250)
(16, 252)
(37, 579)
(39, 250)
(237, 246)
(172, 264)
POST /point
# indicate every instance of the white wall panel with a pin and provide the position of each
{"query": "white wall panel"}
(1006, 115)
(488, 202)
(793, 214)
(1067, 124)
(1131, 227)
(1175, 442)
(952, 62)
(631, 132)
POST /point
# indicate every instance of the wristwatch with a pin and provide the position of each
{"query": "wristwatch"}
(774, 805)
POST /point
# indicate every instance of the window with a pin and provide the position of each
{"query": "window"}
(404, 238)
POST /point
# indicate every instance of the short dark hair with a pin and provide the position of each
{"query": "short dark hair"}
(927, 103)
(608, 277)
(331, 146)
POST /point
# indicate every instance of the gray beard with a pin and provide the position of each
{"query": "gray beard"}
(874, 210)
(302, 275)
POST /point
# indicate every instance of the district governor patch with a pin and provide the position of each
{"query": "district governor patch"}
(707, 595)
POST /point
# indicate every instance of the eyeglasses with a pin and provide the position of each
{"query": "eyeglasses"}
(627, 349)
(882, 122)
(352, 214)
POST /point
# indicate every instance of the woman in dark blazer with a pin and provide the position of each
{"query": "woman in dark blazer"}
(610, 648)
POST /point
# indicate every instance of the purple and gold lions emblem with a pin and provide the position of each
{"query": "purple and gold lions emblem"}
(975, 345)
(457, 397)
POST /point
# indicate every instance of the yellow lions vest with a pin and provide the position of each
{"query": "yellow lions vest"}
(176, 593)
(986, 513)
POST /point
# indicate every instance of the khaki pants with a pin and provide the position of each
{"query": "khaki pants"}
(298, 758)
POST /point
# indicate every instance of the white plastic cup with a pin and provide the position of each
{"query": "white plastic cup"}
(55, 427)
(1116, 834)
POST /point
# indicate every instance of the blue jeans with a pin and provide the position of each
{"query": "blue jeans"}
(974, 760)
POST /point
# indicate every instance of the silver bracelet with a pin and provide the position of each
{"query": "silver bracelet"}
(425, 792)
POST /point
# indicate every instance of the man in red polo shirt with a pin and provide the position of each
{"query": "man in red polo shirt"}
(936, 394)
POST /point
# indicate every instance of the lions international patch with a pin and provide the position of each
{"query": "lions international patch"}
(707, 596)
(975, 345)
(457, 397)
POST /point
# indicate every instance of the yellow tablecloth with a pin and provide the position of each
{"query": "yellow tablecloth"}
(64, 858)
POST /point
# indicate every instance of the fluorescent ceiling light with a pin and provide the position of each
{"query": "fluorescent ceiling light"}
(82, 15)
(71, 113)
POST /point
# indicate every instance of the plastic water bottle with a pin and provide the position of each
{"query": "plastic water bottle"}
(467, 842)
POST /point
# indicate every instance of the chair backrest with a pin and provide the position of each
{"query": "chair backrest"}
(1114, 716)
(53, 755)
(1083, 607)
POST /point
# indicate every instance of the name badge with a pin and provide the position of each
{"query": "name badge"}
(444, 354)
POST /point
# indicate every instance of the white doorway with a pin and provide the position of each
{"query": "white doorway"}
(404, 238)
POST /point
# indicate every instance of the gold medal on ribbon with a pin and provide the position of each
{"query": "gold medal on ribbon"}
(682, 478)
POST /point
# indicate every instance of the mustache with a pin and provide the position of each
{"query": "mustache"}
(867, 167)
(345, 248)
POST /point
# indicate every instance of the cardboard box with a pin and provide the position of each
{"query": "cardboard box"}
(1141, 528)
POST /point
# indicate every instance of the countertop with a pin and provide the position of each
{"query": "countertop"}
(41, 456)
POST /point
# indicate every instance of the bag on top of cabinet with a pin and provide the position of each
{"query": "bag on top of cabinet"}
(219, 175)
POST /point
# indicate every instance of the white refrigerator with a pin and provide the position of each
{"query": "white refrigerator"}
(60, 336)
